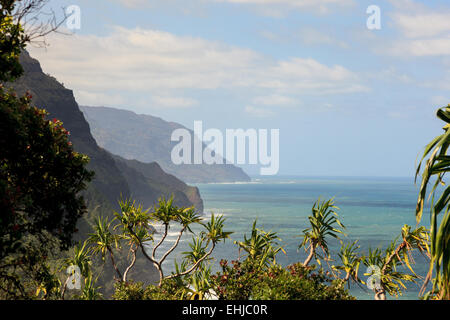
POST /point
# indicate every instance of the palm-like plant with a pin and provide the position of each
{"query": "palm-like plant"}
(133, 222)
(384, 266)
(214, 232)
(200, 286)
(188, 216)
(350, 260)
(212, 235)
(81, 258)
(196, 252)
(261, 246)
(324, 223)
(437, 165)
(90, 291)
(389, 279)
(134, 226)
(104, 241)
(165, 211)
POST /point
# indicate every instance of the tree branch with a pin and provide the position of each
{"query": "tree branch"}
(173, 247)
(155, 263)
(194, 266)
(133, 260)
(111, 255)
(166, 230)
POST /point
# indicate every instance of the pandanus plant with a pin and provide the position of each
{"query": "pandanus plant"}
(350, 261)
(324, 222)
(104, 242)
(81, 258)
(135, 226)
(383, 267)
(212, 234)
(436, 166)
(200, 285)
(196, 252)
(260, 247)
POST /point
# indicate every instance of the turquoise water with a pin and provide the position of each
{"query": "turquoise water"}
(372, 209)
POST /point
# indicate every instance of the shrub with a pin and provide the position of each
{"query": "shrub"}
(298, 282)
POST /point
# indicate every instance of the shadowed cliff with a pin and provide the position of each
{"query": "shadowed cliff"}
(145, 182)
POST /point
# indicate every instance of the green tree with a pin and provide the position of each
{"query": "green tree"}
(41, 175)
(297, 282)
(324, 222)
(350, 261)
(436, 167)
(260, 247)
(257, 253)
(133, 229)
(259, 276)
(81, 258)
(384, 266)
(12, 42)
(22, 22)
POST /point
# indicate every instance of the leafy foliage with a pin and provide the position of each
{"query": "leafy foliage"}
(261, 246)
(133, 228)
(257, 276)
(238, 280)
(391, 278)
(41, 177)
(350, 261)
(324, 222)
(436, 166)
(298, 282)
(12, 41)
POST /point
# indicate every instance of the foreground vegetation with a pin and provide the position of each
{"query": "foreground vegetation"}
(41, 177)
(255, 274)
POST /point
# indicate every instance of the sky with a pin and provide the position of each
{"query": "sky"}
(347, 100)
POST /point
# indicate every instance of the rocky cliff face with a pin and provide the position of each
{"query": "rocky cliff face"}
(60, 103)
(113, 176)
(147, 139)
(148, 182)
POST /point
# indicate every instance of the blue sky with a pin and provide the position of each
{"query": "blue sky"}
(348, 101)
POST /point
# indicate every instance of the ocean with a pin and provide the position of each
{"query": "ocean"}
(373, 211)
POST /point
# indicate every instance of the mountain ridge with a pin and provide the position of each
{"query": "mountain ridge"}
(146, 138)
(113, 177)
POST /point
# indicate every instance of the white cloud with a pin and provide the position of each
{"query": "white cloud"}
(133, 3)
(407, 5)
(173, 102)
(150, 62)
(272, 8)
(98, 99)
(422, 47)
(311, 36)
(308, 75)
(259, 112)
(308, 36)
(275, 100)
(425, 31)
(391, 74)
(421, 25)
(321, 6)
(294, 3)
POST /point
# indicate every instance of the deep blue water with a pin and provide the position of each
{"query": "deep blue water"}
(372, 209)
